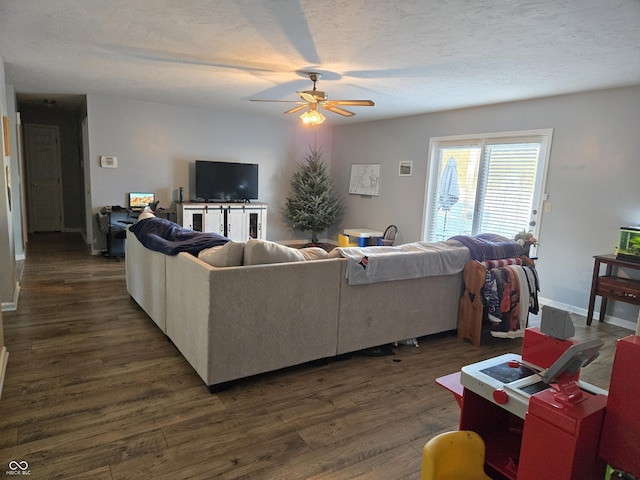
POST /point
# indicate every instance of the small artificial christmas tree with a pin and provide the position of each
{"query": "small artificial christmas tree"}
(313, 205)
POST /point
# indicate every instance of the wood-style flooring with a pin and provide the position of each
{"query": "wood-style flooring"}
(95, 391)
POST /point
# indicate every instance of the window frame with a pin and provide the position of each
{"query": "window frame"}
(544, 136)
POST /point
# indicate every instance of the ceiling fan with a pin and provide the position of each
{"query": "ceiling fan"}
(311, 99)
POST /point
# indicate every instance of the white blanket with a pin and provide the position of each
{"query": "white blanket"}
(411, 260)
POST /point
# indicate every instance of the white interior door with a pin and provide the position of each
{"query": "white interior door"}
(44, 186)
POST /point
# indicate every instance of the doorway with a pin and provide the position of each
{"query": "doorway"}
(63, 208)
(44, 184)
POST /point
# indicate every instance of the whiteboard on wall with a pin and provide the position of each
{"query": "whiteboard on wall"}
(365, 179)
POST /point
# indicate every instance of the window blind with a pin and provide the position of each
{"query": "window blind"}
(495, 190)
(508, 184)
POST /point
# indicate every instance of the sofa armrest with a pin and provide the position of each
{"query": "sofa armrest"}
(145, 277)
(188, 308)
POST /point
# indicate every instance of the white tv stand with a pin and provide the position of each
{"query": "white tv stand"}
(237, 221)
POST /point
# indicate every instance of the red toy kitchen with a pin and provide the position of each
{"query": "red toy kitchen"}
(540, 421)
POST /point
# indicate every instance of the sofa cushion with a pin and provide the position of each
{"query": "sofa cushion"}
(314, 253)
(228, 255)
(259, 252)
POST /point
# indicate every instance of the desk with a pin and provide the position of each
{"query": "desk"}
(115, 227)
(363, 234)
(611, 286)
(170, 215)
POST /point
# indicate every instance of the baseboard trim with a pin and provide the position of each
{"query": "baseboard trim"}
(4, 358)
(12, 306)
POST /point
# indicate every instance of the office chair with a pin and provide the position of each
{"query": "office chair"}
(454, 456)
(389, 235)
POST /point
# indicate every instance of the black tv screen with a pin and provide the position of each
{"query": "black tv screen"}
(226, 181)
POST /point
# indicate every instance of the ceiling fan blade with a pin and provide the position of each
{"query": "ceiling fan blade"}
(156, 55)
(277, 101)
(338, 110)
(297, 109)
(308, 97)
(355, 103)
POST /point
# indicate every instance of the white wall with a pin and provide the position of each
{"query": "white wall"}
(593, 180)
(16, 177)
(157, 145)
(8, 283)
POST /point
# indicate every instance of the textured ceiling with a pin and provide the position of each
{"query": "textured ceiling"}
(408, 56)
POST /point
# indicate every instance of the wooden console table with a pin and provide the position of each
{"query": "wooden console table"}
(611, 286)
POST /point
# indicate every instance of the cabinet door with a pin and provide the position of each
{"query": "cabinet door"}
(214, 219)
(193, 218)
(255, 222)
(262, 225)
(237, 227)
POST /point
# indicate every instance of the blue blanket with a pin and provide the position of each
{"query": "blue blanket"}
(487, 246)
(170, 238)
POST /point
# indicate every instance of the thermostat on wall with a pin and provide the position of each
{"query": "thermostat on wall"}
(108, 162)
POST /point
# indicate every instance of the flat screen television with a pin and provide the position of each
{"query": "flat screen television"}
(226, 181)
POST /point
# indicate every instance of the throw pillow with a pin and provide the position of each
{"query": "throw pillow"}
(228, 255)
(335, 253)
(314, 253)
(259, 252)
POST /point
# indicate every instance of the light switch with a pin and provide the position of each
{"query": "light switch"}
(108, 162)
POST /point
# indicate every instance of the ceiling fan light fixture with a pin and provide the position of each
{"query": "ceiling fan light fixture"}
(310, 99)
(312, 116)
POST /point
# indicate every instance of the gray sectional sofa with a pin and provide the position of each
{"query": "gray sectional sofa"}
(237, 321)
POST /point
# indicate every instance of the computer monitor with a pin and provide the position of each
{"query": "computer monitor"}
(140, 200)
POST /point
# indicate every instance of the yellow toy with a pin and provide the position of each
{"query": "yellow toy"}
(454, 456)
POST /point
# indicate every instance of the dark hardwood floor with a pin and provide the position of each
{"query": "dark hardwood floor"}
(95, 391)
